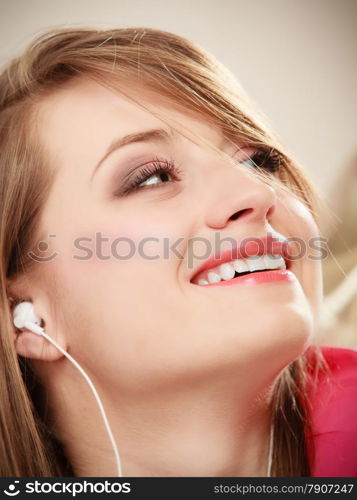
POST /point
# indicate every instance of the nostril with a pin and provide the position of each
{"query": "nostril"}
(240, 213)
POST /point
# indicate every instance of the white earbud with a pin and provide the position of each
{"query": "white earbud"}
(24, 316)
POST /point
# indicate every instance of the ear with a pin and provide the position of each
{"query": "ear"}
(29, 344)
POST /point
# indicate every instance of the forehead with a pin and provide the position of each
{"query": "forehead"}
(88, 114)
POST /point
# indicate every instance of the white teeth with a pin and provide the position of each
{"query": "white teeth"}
(256, 263)
(226, 271)
(213, 277)
(202, 282)
(240, 266)
(274, 262)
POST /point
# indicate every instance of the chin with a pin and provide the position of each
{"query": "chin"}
(274, 340)
(293, 333)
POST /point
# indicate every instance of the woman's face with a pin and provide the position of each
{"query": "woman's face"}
(124, 263)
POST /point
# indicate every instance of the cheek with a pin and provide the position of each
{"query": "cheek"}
(136, 231)
(297, 222)
(142, 238)
(122, 268)
(308, 247)
(116, 237)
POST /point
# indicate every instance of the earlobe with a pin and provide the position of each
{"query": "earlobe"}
(33, 346)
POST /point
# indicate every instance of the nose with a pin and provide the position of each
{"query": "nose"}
(238, 194)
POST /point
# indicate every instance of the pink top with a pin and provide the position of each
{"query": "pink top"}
(334, 415)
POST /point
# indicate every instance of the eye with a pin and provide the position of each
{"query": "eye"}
(269, 160)
(152, 175)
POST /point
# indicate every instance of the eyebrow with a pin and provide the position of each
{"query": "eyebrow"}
(154, 135)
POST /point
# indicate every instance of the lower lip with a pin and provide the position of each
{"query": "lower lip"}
(279, 275)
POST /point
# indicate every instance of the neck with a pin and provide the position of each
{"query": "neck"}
(212, 430)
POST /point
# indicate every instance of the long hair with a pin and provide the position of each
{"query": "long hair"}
(184, 73)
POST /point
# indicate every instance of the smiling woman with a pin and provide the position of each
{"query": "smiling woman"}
(140, 136)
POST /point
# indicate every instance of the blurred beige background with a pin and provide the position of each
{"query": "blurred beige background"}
(296, 58)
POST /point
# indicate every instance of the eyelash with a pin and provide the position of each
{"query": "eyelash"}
(156, 167)
(269, 160)
(262, 159)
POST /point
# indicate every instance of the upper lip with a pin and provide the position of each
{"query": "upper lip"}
(249, 246)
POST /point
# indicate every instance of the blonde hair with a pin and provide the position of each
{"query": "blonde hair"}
(185, 74)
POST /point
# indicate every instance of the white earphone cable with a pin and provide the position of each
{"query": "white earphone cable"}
(40, 331)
